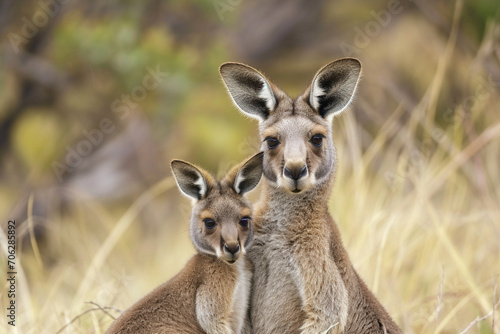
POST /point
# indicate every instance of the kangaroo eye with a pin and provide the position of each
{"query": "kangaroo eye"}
(317, 140)
(244, 221)
(209, 223)
(272, 142)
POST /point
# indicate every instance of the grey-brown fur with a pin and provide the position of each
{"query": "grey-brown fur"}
(303, 280)
(211, 293)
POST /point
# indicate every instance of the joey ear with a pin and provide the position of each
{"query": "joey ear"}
(249, 174)
(334, 86)
(249, 90)
(189, 179)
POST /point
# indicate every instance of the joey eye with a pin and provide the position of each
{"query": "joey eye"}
(272, 142)
(209, 223)
(244, 221)
(317, 140)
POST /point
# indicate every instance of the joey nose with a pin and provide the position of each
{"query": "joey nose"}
(295, 172)
(232, 248)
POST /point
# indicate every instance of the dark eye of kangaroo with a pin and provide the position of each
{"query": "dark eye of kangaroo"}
(244, 221)
(209, 223)
(272, 142)
(317, 140)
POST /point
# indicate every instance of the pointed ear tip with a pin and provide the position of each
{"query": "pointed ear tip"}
(253, 162)
(223, 66)
(348, 59)
(230, 64)
(177, 162)
(354, 62)
(259, 154)
(257, 157)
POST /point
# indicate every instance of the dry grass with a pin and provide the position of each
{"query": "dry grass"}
(421, 232)
(418, 207)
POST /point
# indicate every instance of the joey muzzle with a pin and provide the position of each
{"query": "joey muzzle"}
(231, 251)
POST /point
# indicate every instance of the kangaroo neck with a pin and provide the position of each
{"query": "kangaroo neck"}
(278, 202)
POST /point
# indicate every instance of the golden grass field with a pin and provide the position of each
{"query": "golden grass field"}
(420, 231)
(417, 200)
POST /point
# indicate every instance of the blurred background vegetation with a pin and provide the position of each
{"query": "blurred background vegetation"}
(96, 98)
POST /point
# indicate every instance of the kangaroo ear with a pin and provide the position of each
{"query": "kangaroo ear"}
(249, 89)
(249, 174)
(333, 87)
(190, 179)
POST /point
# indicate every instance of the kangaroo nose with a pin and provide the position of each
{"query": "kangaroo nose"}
(232, 248)
(295, 172)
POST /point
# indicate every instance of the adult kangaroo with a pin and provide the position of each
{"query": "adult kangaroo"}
(303, 281)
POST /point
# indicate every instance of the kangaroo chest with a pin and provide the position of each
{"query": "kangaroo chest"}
(276, 302)
(241, 296)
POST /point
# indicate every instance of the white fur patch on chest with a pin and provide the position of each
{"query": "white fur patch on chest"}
(241, 295)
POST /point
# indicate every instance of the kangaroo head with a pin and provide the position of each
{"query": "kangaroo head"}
(221, 219)
(296, 133)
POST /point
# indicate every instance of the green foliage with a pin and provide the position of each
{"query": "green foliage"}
(36, 140)
(118, 46)
(478, 13)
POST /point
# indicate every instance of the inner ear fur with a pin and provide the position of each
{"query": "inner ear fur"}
(334, 86)
(250, 91)
(246, 176)
(192, 181)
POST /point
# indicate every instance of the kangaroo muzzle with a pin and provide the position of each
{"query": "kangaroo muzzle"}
(295, 171)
